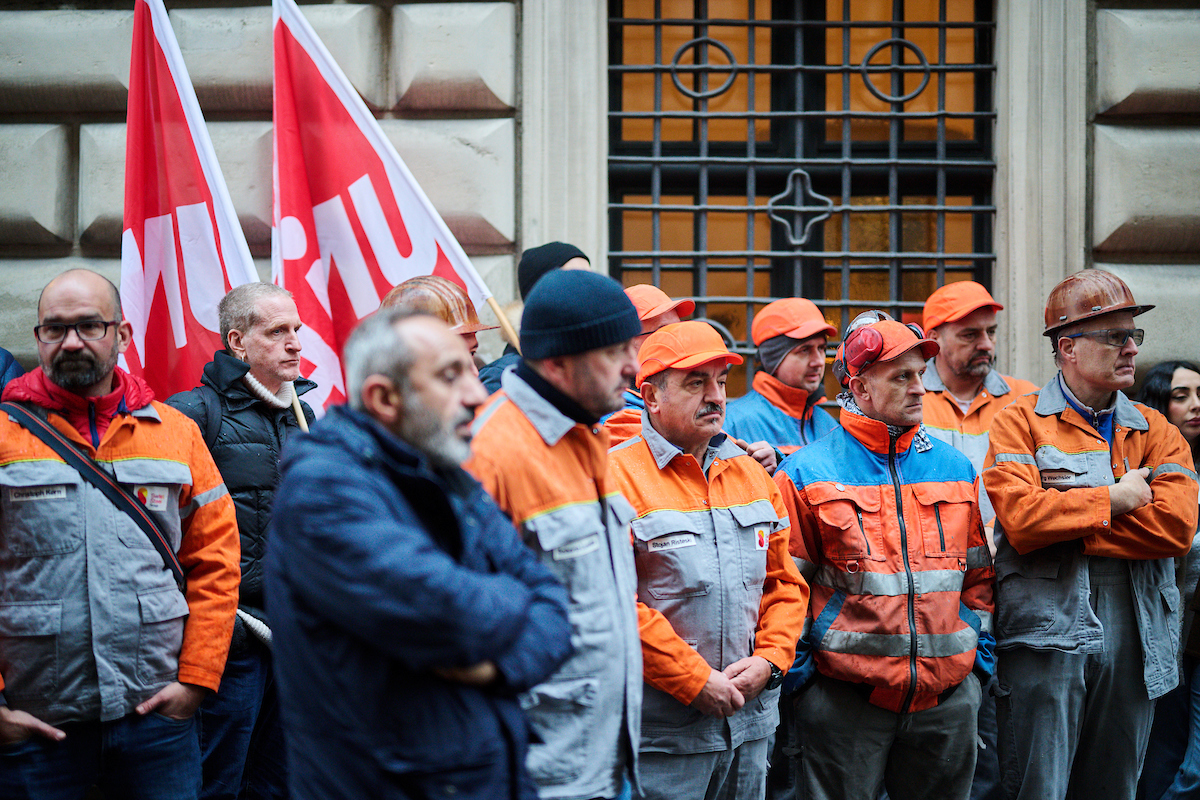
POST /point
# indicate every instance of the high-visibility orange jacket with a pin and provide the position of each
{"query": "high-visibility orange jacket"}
(715, 584)
(968, 433)
(1048, 473)
(889, 538)
(550, 475)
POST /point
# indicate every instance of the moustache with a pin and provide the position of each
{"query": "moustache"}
(709, 408)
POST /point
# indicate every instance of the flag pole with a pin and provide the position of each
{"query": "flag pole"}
(299, 412)
(505, 326)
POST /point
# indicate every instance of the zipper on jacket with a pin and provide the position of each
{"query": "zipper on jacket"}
(912, 611)
(941, 533)
(862, 530)
(92, 425)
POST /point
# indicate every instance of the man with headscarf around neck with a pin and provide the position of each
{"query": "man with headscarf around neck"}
(1095, 496)
(540, 451)
(104, 659)
(886, 530)
(243, 408)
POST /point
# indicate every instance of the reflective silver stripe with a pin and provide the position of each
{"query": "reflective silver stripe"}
(807, 568)
(979, 557)
(204, 498)
(985, 620)
(1020, 458)
(482, 419)
(896, 645)
(1163, 469)
(893, 584)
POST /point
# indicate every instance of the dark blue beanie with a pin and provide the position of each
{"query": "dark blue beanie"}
(572, 311)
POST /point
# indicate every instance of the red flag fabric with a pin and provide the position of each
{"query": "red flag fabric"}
(350, 220)
(182, 247)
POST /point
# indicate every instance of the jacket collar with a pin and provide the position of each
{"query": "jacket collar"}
(1053, 401)
(796, 403)
(550, 423)
(663, 451)
(873, 433)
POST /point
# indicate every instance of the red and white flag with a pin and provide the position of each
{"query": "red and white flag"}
(350, 220)
(182, 248)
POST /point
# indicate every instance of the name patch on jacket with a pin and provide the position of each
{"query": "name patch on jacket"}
(672, 542)
(22, 494)
(577, 548)
(152, 497)
(1057, 477)
(762, 539)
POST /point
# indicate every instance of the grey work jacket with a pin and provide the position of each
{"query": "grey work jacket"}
(1043, 597)
(586, 717)
(711, 592)
(91, 624)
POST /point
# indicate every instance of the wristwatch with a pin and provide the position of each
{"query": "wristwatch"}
(776, 677)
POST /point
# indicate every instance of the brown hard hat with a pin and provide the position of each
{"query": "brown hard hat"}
(1086, 294)
(440, 298)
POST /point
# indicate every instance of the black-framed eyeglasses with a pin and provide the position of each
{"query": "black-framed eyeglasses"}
(1113, 337)
(89, 330)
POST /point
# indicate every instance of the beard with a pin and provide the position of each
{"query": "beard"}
(79, 370)
(424, 429)
(978, 369)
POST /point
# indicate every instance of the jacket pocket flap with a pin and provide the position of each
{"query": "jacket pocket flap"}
(755, 513)
(949, 492)
(39, 473)
(151, 472)
(162, 606)
(562, 692)
(665, 522)
(620, 509)
(865, 497)
(1027, 567)
(30, 619)
(564, 525)
(1053, 458)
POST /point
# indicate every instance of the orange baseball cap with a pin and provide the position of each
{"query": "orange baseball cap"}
(650, 301)
(878, 342)
(954, 301)
(682, 345)
(794, 317)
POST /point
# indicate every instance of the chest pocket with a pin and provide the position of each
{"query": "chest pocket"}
(946, 514)
(757, 522)
(40, 509)
(157, 486)
(573, 543)
(850, 522)
(1059, 470)
(675, 554)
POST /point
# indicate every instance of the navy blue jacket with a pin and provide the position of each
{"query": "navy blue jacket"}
(379, 570)
(9, 368)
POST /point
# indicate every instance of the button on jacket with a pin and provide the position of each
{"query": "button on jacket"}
(968, 433)
(550, 475)
(891, 543)
(715, 585)
(91, 621)
(783, 416)
(1048, 475)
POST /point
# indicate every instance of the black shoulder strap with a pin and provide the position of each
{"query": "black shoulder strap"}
(212, 414)
(90, 471)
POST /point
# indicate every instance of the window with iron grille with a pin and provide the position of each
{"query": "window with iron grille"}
(838, 150)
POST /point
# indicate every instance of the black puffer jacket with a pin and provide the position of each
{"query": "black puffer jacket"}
(246, 450)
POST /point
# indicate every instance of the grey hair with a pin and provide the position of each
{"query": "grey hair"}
(238, 310)
(376, 347)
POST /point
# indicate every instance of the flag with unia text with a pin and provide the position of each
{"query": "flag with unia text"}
(350, 222)
(182, 248)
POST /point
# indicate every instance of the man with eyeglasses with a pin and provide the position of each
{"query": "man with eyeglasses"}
(104, 658)
(1094, 497)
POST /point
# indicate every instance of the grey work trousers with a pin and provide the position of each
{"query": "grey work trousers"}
(1074, 725)
(852, 750)
(736, 774)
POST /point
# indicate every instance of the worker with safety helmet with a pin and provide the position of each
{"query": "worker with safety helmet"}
(1094, 497)
(444, 299)
(886, 530)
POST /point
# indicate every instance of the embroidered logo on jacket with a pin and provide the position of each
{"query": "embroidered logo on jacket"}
(152, 497)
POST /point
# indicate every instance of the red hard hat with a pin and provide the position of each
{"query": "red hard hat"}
(1086, 294)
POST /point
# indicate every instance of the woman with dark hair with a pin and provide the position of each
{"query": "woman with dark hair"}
(1172, 767)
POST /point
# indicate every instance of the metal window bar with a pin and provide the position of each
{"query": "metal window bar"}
(859, 180)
